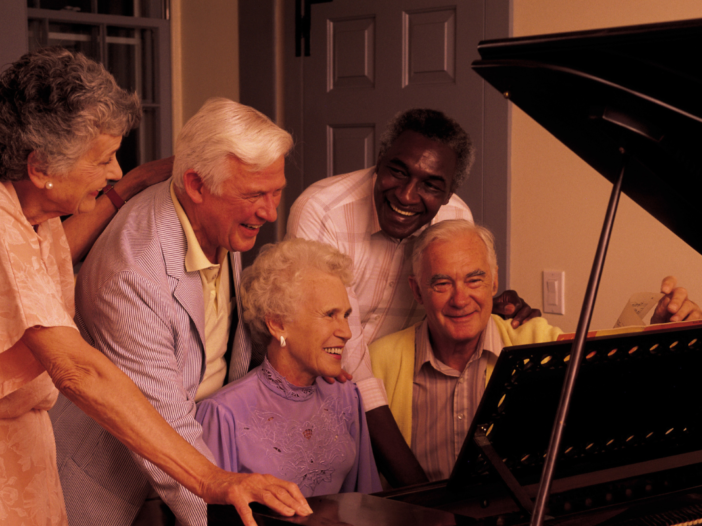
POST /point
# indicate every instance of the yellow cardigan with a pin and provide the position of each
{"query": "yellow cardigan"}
(392, 358)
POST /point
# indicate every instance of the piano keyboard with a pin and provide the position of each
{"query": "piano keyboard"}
(687, 516)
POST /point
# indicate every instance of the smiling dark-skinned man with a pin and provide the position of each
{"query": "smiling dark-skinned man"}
(374, 216)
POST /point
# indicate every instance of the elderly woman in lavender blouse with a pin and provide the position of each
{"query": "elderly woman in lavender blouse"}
(282, 418)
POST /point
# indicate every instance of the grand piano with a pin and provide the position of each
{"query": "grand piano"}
(629, 102)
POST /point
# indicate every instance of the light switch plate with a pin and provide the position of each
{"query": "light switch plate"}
(554, 291)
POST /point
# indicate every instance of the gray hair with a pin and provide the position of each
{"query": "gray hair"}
(223, 128)
(438, 127)
(272, 287)
(448, 231)
(55, 103)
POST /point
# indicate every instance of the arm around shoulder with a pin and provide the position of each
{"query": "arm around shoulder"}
(83, 229)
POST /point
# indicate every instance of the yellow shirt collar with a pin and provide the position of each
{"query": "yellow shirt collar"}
(195, 259)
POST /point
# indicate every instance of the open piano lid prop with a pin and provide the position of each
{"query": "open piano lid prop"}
(638, 87)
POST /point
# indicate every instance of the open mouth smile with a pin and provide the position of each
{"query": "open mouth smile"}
(334, 350)
(402, 212)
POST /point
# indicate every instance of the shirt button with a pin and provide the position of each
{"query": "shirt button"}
(460, 380)
(391, 284)
(460, 417)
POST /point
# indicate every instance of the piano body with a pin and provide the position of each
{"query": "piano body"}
(629, 102)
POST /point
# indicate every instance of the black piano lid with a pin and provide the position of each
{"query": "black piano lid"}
(638, 88)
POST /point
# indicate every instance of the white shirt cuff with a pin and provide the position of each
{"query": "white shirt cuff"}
(373, 393)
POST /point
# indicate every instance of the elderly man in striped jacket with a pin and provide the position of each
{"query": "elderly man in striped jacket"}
(158, 295)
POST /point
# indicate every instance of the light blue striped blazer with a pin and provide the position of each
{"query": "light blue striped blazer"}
(138, 305)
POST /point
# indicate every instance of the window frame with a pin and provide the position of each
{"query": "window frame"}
(162, 103)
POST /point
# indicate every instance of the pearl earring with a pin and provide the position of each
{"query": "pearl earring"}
(49, 185)
(283, 343)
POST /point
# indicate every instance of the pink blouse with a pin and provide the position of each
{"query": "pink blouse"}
(36, 287)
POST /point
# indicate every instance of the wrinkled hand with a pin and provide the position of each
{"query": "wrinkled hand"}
(510, 305)
(342, 378)
(155, 171)
(239, 489)
(675, 305)
(144, 176)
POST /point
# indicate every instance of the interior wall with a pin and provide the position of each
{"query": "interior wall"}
(558, 201)
(205, 43)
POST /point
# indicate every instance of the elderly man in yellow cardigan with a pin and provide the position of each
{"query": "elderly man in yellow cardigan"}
(435, 371)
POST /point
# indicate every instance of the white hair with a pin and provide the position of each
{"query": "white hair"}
(448, 231)
(274, 284)
(224, 128)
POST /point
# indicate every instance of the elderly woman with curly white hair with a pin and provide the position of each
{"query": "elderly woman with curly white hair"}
(62, 118)
(282, 418)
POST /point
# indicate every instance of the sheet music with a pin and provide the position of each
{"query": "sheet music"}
(638, 310)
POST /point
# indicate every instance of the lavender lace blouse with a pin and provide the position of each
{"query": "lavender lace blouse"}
(314, 436)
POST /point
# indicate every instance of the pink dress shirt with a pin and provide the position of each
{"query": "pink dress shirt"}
(36, 287)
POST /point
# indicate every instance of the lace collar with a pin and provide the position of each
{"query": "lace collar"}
(280, 386)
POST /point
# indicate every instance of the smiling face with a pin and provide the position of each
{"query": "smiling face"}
(413, 181)
(248, 199)
(456, 287)
(317, 334)
(77, 191)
